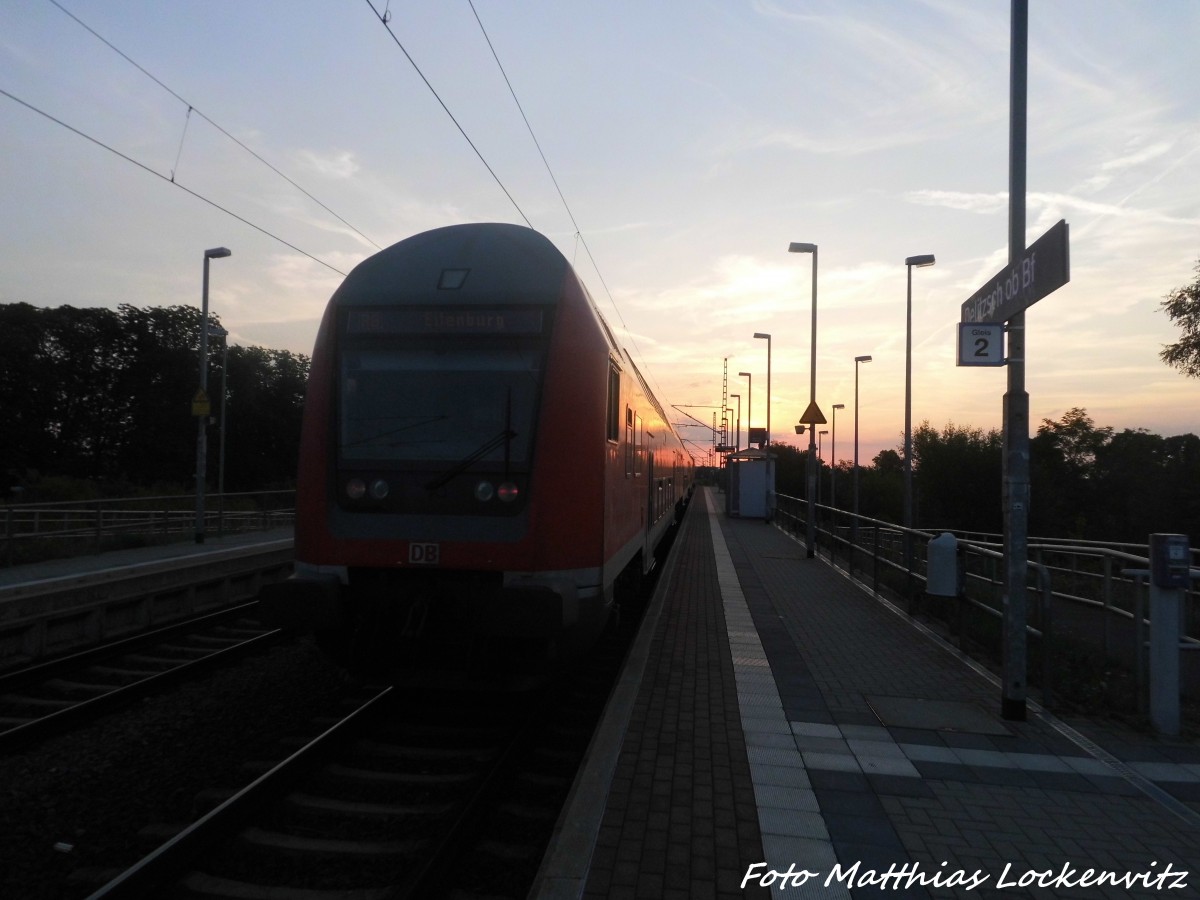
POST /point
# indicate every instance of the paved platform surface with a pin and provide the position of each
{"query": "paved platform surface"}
(90, 564)
(776, 718)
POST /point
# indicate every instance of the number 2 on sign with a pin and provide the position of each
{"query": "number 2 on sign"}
(981, 344)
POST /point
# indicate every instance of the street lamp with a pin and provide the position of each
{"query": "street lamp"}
(858, 360)
(767, 443)
(767, 338)
(737, 428)
(811, 530)
(833, 458)
(218, 331)
(820, 460)
(749, 404)
(202, 420)
(918, 262)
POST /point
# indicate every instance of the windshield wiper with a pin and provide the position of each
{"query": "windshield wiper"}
(504, 437)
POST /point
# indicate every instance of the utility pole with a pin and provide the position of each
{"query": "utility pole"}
(1016, 399)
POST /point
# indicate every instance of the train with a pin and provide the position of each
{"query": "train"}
(484, 473)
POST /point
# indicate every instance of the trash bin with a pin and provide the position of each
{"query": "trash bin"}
(941, 571)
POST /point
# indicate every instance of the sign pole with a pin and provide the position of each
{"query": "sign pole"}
(1016, 399)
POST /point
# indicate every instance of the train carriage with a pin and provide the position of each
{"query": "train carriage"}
(482, 466)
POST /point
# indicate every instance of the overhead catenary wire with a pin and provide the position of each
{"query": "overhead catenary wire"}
(385, 21)
(579, 236)
(168, 179)
(525, 119)
(190, 109)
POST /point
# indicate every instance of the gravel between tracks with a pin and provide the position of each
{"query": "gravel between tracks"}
(78, 801)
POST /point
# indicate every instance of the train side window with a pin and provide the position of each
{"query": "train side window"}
(629, 446)
(639, 439)
(614, 404)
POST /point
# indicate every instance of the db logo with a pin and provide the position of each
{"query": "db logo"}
(423, 554)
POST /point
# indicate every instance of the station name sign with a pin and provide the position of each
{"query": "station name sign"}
(1044, 267)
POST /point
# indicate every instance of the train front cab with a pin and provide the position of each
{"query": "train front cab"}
(451, 476)
(482, 468)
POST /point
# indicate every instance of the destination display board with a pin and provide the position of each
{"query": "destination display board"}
(423, 320)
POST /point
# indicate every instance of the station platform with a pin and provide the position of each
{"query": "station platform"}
(91, 565)
(780, 731)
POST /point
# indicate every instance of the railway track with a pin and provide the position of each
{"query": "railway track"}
(378, 804)
(52, 697)
(410, 794)
(68, 607)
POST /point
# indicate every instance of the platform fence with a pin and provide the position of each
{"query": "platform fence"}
(1087, 614)
(39, 531)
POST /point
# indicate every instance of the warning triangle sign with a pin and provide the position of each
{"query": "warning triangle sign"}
(813, 415)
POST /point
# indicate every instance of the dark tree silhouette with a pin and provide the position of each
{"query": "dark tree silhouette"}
(1183, 306)
(105, 395)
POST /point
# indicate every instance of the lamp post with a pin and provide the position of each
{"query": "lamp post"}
(218, 331)
(767, 338)
(737, 428)
(820, 460)
(833, 457)
(811, 530)
(767, 443)
(749, 404)
(919, 262)
(202, 420)
(858, 360)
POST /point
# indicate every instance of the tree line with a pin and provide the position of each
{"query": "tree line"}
(1086, 482)
(102, 398)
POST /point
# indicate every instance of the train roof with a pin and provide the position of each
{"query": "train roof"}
(483, 263)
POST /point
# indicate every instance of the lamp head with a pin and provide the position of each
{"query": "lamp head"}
(743, 374)
(217, 253)
(862, 359)
(759, 334)
(920, 261)
(802, 248)
(839, 406)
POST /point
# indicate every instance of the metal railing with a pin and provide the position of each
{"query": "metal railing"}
(1086, 603)
(39, 531)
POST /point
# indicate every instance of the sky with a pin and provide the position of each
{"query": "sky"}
(687, 143)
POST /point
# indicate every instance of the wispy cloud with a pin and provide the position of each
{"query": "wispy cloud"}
(1112, 168)
(988, 204)
(340, 164)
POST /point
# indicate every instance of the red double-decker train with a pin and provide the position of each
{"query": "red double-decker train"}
(482, 467)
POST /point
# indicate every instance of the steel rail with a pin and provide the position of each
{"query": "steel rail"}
(171, 860)
(61, 719)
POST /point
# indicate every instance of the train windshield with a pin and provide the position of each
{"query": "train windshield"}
(439, 394)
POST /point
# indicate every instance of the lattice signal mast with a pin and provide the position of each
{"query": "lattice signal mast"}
(724, 446)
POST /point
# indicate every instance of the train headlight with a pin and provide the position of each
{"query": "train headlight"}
(356, 488)
(379, 489)
(508, 492)
(484, 491)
